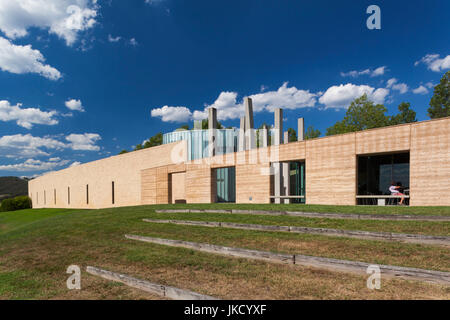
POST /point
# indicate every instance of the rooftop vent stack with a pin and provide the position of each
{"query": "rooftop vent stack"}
(263, 137)
(276, 166)
(286, 176)
(241, 146)
(197, 124)
(301, 129)
(249, 125)
(278, 126)
(212, 126)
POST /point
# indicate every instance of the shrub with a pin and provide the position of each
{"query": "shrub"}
(17, 203)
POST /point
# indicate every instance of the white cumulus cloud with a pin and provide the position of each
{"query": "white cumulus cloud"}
(172, 114)
(395, 85)
(74, 105)
(373, 73)
(150, 2)
(20, 145)
(24, 59)
(228, 106)
(435, 63)
(285, 97)
(64, 18)
(86, 141)
(378, 71)
(341, 96)
(133, 42)
(34, 165)
(113, 39)
(420, 90)
(25, 117)
(75, 163)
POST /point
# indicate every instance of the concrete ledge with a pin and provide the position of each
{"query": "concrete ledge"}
(235, 252)
(437, 277)
(367, 216)
(158, 289)
(402, 237)
(387, 236)
(318, 215)
(184, 222)
(431, 276)
(176, 211)
(273, 213)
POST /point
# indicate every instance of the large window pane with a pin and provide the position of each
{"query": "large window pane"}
(226, 184)
(297, 181)
(375, 173)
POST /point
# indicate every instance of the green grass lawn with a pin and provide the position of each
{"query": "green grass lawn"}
(399, 210)
(9, 221)
(36, 247)
(413, 227)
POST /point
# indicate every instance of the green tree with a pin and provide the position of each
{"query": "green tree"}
(183, 127)
(312, 133)
(154, 141)
(406, 114)
(440, 102)
(361, 115)
(17, 203)
(264, 125)
(205, 124)
(123, 151)
(292, 135)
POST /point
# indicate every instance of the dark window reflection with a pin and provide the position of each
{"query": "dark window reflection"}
(375, 173)
(226, 184)
(297, 181)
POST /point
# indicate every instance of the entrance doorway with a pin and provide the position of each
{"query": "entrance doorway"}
(177, 187)
(225, 184)
(297, 181)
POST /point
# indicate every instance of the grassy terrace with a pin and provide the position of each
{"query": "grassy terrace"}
(36, 247)
(413, 227)
(431, 211)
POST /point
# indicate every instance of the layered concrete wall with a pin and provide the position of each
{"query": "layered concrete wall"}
(331, 162)
(124, 170)
(149, 176)
(430, 163)
(331, 170)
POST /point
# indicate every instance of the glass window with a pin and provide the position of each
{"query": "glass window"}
(377, 172)
(297, 181)
(226, 184)
(198, 141)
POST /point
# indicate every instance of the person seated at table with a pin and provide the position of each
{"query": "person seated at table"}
(395, 191)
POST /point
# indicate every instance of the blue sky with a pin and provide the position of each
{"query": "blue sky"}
(81, 80)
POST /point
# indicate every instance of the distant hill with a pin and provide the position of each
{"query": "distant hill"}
(12, 187)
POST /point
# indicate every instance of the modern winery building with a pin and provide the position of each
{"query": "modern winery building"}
(245, 165)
